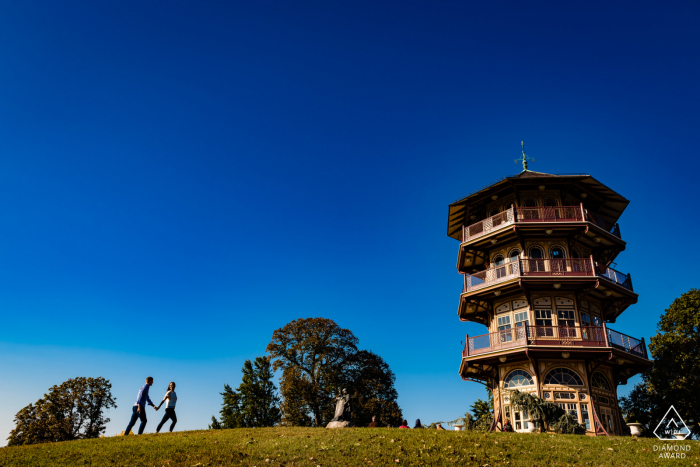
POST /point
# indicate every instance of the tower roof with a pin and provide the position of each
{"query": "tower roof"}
(608, 203)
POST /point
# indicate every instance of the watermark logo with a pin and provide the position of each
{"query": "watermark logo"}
(672, 427)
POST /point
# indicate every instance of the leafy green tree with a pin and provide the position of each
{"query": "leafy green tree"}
(546, 415)
(73, 410)
(483, 412)
(318, 359)
(320, 352)
(370, 384)
(675, 376)
(254, 403)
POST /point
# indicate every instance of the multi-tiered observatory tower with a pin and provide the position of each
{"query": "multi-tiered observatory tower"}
(536, 253)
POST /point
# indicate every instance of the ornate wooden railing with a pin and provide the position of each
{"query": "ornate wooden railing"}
(490, 224)
(491, 276)
(625, 280)
(536, 214)
(627, 343)
(562, 336)
(558, 267)
(563, 267)
(551, 214)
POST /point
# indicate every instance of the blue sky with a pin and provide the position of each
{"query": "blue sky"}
(179, 179)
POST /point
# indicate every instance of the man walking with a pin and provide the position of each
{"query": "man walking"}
(139, 409)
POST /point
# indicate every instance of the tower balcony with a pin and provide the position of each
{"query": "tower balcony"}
(554, 268)
(527, 337)
(536, 215)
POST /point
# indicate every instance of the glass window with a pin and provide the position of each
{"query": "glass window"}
(585, 319)
(601, 382)
(494, 211)
(550, 202)
(565, 317)
(522, 319)
(557, 253)
(517, 379)
(596, 321)
(543, 317)
(564, 377)
(514, 255)
(497, 260)
(530, 203)
(575, 254)
(584, 416)
(503, 327)
(536, 252)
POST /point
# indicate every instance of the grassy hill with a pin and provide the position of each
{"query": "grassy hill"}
(358, 446)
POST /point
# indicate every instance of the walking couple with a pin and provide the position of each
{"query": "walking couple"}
(139, 409)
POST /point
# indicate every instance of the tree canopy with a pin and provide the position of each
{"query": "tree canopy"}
(73, 410)
(675, 376)
(254, 403)
(318, 359)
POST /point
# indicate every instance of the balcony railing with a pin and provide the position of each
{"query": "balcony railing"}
(563, 267)
(628, 344)
(490, 224)
(625, 280)
(535, 214)
(562, 336)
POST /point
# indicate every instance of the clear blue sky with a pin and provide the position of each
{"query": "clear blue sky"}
(179, 179)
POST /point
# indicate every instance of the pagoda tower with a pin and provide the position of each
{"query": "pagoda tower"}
(536, 252)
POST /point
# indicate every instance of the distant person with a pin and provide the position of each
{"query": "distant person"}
(374, 423)
(171, 397)
(439, 427)
(417, 425)
(507, 426)
(404, 424)
(139, 409)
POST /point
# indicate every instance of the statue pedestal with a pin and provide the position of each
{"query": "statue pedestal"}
(340, 425)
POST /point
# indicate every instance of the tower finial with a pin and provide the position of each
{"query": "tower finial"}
(525, 158)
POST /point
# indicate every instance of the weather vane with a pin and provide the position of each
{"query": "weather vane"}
(525, 158)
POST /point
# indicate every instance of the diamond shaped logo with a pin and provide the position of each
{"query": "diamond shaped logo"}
(672, 427)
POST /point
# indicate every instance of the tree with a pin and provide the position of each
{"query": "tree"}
(254, 403)
(546, 415)
(371, 387)
(73, 410)
(675, 376)
(483, 412)
(318, 359)
(319, 351)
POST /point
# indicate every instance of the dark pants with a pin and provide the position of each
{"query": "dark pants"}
(136, 415)
(169, 413)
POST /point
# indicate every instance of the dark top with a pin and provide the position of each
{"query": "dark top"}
(373, 425)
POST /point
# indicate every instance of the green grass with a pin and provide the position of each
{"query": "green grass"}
(356, 446)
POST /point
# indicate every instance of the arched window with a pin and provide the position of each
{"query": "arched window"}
(536, 252)
(514, 254)
(601, 382)
(557, 252)
(494, 211)
(518, 378)
(550, 202)
(575, 254)
(563, 377)
(497, 263)
(530, 203)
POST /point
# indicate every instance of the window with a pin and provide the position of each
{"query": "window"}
(514, 254)
(565, 317)
(521, 421)
(503, 327)
(557, 253)
(584, 416)
(596, 321)
(494, 211)
(536, 252)
(497, 263)
(585, 319)
(601, 382)
(530, 203)
(543, 317)
(517, 379)
(563, 377)
(565, 395)
(550, 202)
(575, 254)
(513, 258)
(522, 319)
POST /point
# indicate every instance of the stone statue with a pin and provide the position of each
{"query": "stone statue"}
(342, 407)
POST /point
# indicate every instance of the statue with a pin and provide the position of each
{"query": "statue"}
(342, 407)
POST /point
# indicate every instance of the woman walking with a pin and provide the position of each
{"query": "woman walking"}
(171, 397)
